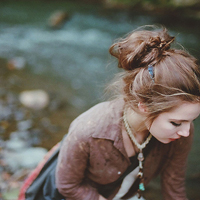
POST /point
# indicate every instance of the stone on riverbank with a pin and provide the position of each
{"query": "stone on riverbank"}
(34, 99)
(27, 158)
(16, 63)
(16, 145)
(57, 19)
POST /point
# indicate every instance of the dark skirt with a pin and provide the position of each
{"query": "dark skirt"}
(40, 184)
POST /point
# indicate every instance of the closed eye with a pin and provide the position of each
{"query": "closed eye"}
(175, 124)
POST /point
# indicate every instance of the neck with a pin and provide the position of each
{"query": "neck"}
(137, 125)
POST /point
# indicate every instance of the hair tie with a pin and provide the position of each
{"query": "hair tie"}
(151, 72)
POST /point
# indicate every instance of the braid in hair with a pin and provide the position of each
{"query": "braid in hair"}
(141, 48)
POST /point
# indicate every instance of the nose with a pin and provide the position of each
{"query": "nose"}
(185, 131)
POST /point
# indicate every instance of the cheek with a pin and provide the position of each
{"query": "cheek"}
(155, 128)
(160, 127)
(156, 124)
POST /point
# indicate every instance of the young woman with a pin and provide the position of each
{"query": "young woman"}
(113, 150)
(149, 126)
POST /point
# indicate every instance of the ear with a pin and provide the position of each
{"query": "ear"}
(142, 107)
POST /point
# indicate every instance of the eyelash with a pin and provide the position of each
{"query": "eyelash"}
(175, 124)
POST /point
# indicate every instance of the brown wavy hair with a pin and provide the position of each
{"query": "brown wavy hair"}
(176, 72)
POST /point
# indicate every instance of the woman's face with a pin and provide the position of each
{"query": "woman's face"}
(172, 125)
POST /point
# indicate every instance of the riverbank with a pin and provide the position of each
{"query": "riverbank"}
(187, 9)
(58, 113)
(26, 134)
(184, 9)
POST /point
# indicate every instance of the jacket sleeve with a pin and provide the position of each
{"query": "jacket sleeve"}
(173, 175)
(71, 168)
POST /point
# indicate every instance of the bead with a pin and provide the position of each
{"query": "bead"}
(141, 187)
(140, 174)
(140, 165)
(140, 156)
(138, 194)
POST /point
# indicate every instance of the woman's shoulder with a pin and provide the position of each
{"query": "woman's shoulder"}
(101, 110)
(97, 117)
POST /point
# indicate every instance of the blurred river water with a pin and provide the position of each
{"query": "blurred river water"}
(74, 62)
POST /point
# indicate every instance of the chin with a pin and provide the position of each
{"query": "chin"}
(164, 141)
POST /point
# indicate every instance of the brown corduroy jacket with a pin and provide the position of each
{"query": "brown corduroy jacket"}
(93, 154)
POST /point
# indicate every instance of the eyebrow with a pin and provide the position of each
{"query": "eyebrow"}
(181, 120)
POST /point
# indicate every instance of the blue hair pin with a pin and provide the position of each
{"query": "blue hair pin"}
(151, 72)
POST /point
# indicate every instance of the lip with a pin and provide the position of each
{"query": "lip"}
(173, 139)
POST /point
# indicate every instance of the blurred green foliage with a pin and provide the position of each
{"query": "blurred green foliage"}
(163, 3)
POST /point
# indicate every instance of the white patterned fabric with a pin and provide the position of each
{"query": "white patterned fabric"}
(126, 184)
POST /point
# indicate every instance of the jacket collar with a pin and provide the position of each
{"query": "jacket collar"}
(110, 124)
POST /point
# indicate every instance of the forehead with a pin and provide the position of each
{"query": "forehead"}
(184, 111)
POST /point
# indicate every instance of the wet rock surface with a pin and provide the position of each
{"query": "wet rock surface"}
(58, 19)
(29, 127)
(34, 99)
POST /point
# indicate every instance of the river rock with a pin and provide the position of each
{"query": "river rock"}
(22, 135)
(16, 63)
(26, 159)
(19, 114)
(57, 19)
(24, 125)
(184, 2)
(34, 99)
(15, 144)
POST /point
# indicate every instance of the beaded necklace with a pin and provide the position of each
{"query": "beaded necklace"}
(140, 155)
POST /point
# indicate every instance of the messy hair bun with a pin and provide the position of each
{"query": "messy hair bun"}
(141, 48)
(176, 74)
